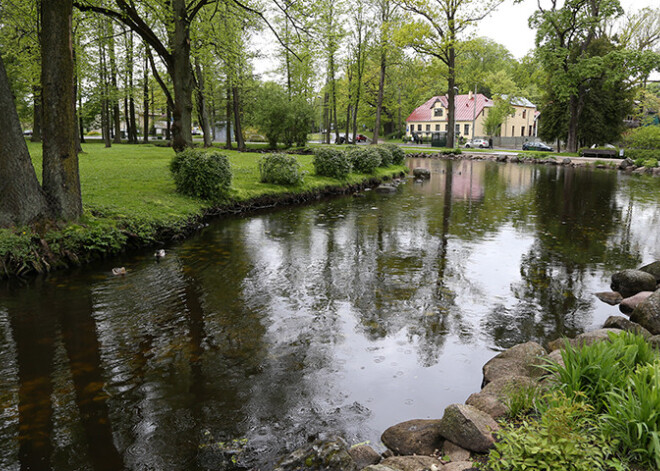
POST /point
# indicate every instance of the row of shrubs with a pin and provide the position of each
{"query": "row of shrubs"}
(208, 175)
(601, 412)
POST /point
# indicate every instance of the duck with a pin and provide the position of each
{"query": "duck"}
(119, 271)
(159, 254)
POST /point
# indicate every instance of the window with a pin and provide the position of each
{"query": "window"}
(466, 129)
(458, 129)
(446, 127)
(531, 130)
(428, 127)
(522, 131)
(437, 112)
(437, 127)
(524, 114)
(419, 127)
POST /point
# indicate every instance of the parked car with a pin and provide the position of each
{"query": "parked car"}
(477, 143)
(360, 138)
(27, 132)
(538, 145)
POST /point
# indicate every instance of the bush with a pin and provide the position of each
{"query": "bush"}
(364, 159)
(331, 162)
(385, 155)
(646, 137)
(398, 154)
(281, 169)
(201, 174)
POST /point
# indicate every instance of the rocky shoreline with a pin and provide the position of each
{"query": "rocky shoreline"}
(623, 165)
(466, 432)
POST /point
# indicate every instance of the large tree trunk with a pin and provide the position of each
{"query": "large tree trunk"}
(238, 129)
(574, 109)
(105, 109)
(145, 99)
(381, 91)
(168, 128)
(202, 111)
(36, 125)
(181, 78)
(21, 198)
(61, 179)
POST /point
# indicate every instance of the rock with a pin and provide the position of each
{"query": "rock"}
(515, 159)
(628, 305)
(500, 158)
(618, 322)
(385, 188)
(487, 403)
(656, 172)
(640, 170)
(413, 463)
(468, 427)
(421, 172)
(647, 313)
(458, 466)
(625, 163)
(631, 282)
(492, 398)
(584, 339)
(329, 455)
(454, 452)
(379, 467)
(566, 161)
(556, 357)
(653, 269)
(610, 297)
(364, 455)
(654, 341)
(520, 360)
(414, 437)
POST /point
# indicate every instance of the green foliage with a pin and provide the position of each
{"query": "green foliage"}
(398, 154)
(365, 159)
(331, 162)
(646, 137)
(201, 174)
(385, 155)
(592, 371)
(564, 439)
(282, 118)
(281, 169)
(520, 399)
(642, 155)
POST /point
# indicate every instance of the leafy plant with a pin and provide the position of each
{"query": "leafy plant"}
(520, 399)
(645, 137)
(281, 169)
(201, 174)
(364, 159)
(398, 154)
(385, 155)
(331, 162)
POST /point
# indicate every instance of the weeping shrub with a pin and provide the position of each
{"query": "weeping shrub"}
(385, 155)
(201, 174)
(281, 169)
(364, 159)
(331, 162)
(398, 154)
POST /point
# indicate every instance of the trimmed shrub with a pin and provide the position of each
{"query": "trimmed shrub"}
(331, 162)
(646, 137)
(398, 154)
(385, 155)
(281, 169)
(201, 174)
(642, 155)
(364, 159)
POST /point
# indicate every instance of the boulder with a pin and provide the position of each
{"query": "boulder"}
(625, 163)
(458, 466)
(364, 455)
(500, 158)
(454, 452)
(414, 437)
(488, 403)
(631, 282)
(566, 161)
(492, 398)
(421, 172)
(654, 341)
(468, 427)
(641, 170)
(520, 360)
(413, 463)
(653, 269)
(329, 455)
(656, 172)
(583, 339)
(618, 322)
(379, 467)
(647, 313)
(628, 305)
(610, 297)
(514, 159)
(555, 356)
(386, 188)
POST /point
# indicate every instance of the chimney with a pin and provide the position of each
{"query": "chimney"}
(470, 94)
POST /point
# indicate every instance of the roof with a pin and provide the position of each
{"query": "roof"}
(519, 101)
(464, 107)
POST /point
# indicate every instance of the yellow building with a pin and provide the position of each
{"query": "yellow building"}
(471, 111)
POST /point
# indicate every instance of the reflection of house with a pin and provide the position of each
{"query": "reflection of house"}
(471, 110)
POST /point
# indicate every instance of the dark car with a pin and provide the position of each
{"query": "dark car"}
(540, 146)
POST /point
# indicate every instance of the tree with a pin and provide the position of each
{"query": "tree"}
(436, 33)
(385, 13)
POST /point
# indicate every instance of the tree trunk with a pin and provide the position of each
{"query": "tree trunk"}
(114, 97)
(145, 99)
(168, 128)
(36, 125)
(228, 121)
(326, 117)
(451, 98)
(238, 131)
(21, 199)
(61, 178)
(381, 91)
(202, 111)
(181, 78)
(574, 115)
(105, 111)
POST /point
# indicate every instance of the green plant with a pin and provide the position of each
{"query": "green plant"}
(594, 370)
(331, 162)
(520, 399)
(565, 438)
(385, 155)
(633, 415)
(645, 137)
(398, 154)
(281, 169)
(642, 154)
(201, 174)
(364, 159)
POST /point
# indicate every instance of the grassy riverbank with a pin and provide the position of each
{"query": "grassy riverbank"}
(130, 201)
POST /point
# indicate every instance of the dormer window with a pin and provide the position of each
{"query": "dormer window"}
(438, 112)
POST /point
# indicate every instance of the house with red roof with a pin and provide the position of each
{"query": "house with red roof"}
(471, 112)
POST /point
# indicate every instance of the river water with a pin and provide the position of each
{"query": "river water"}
(342, 317)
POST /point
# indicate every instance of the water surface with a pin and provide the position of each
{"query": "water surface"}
(346, 316)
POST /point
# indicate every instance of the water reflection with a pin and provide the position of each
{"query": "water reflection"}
(345, 316)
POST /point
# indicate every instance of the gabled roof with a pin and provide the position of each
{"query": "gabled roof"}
(464, 107)
(519, 101)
